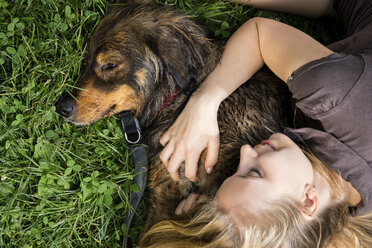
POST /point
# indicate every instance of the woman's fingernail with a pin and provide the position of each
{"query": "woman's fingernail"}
(209, 170)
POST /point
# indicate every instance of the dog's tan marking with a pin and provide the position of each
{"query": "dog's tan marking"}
(110, 57)
(141, 76)
(93, 104)
(100, 57)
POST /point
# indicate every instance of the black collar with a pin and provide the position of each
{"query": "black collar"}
(132, 134)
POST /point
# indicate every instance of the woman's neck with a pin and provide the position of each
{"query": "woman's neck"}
(323, 188)
(351, 194)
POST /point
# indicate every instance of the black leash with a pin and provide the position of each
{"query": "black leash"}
(132, 134)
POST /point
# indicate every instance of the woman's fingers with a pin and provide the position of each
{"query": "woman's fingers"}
(174, 154)
(191, 164)
(179, 208)
(190, 134)
(191, 199)
(174, 163)
(164, 139)
(212, 154)
(186, 204)
(166, 153)
(188, 155)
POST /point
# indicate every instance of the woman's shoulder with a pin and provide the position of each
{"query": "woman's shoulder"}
(321, 85)
(337, 92)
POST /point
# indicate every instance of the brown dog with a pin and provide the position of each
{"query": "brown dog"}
(140, 55)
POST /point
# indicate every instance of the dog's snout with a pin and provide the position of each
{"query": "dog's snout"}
(66, 106)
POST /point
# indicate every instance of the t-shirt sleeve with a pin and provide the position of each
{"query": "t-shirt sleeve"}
(336, 91)
(321, 85)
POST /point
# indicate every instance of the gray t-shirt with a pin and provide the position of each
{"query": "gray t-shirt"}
(333, 95)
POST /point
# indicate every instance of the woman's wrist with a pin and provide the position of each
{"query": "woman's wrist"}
(214, 89)
(209, 97)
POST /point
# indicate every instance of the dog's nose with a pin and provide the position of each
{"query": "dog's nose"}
(65, 106)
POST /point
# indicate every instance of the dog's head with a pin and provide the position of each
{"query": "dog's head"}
(134, 58)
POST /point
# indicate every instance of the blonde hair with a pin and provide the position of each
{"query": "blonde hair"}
(206, 225)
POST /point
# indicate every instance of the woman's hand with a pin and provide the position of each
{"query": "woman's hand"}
(245, 53)
(194, 130)
(187, 203)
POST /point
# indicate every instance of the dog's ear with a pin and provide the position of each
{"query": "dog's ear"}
(182, 46)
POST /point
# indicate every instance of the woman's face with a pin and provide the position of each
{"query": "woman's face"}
(275, 169)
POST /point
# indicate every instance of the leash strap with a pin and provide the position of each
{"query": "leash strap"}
(132, 134)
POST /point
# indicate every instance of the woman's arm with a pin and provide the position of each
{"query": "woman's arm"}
(309, 8)
(259, 41)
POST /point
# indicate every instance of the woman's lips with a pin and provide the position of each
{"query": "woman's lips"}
(269, 143)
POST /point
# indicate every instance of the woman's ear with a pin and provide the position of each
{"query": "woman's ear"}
(309, 202)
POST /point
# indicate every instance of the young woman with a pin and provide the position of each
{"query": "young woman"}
(282, 195)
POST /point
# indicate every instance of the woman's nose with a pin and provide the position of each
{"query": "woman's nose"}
(248, 151)
(247, 156)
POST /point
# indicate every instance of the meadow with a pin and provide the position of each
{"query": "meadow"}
(63, 185)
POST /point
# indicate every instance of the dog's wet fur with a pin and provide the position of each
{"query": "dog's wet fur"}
(135, 59)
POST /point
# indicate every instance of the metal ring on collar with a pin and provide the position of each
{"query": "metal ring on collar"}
(133, 142)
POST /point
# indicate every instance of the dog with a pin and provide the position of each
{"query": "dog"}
(149, 59)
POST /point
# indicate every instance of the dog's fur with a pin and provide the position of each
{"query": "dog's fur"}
(134, 60)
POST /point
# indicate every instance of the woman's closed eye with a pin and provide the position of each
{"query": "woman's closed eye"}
(252, 173)
(255, 173)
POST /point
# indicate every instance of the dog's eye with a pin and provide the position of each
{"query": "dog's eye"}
(109, 66)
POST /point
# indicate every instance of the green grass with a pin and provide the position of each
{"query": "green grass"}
(62, 185)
